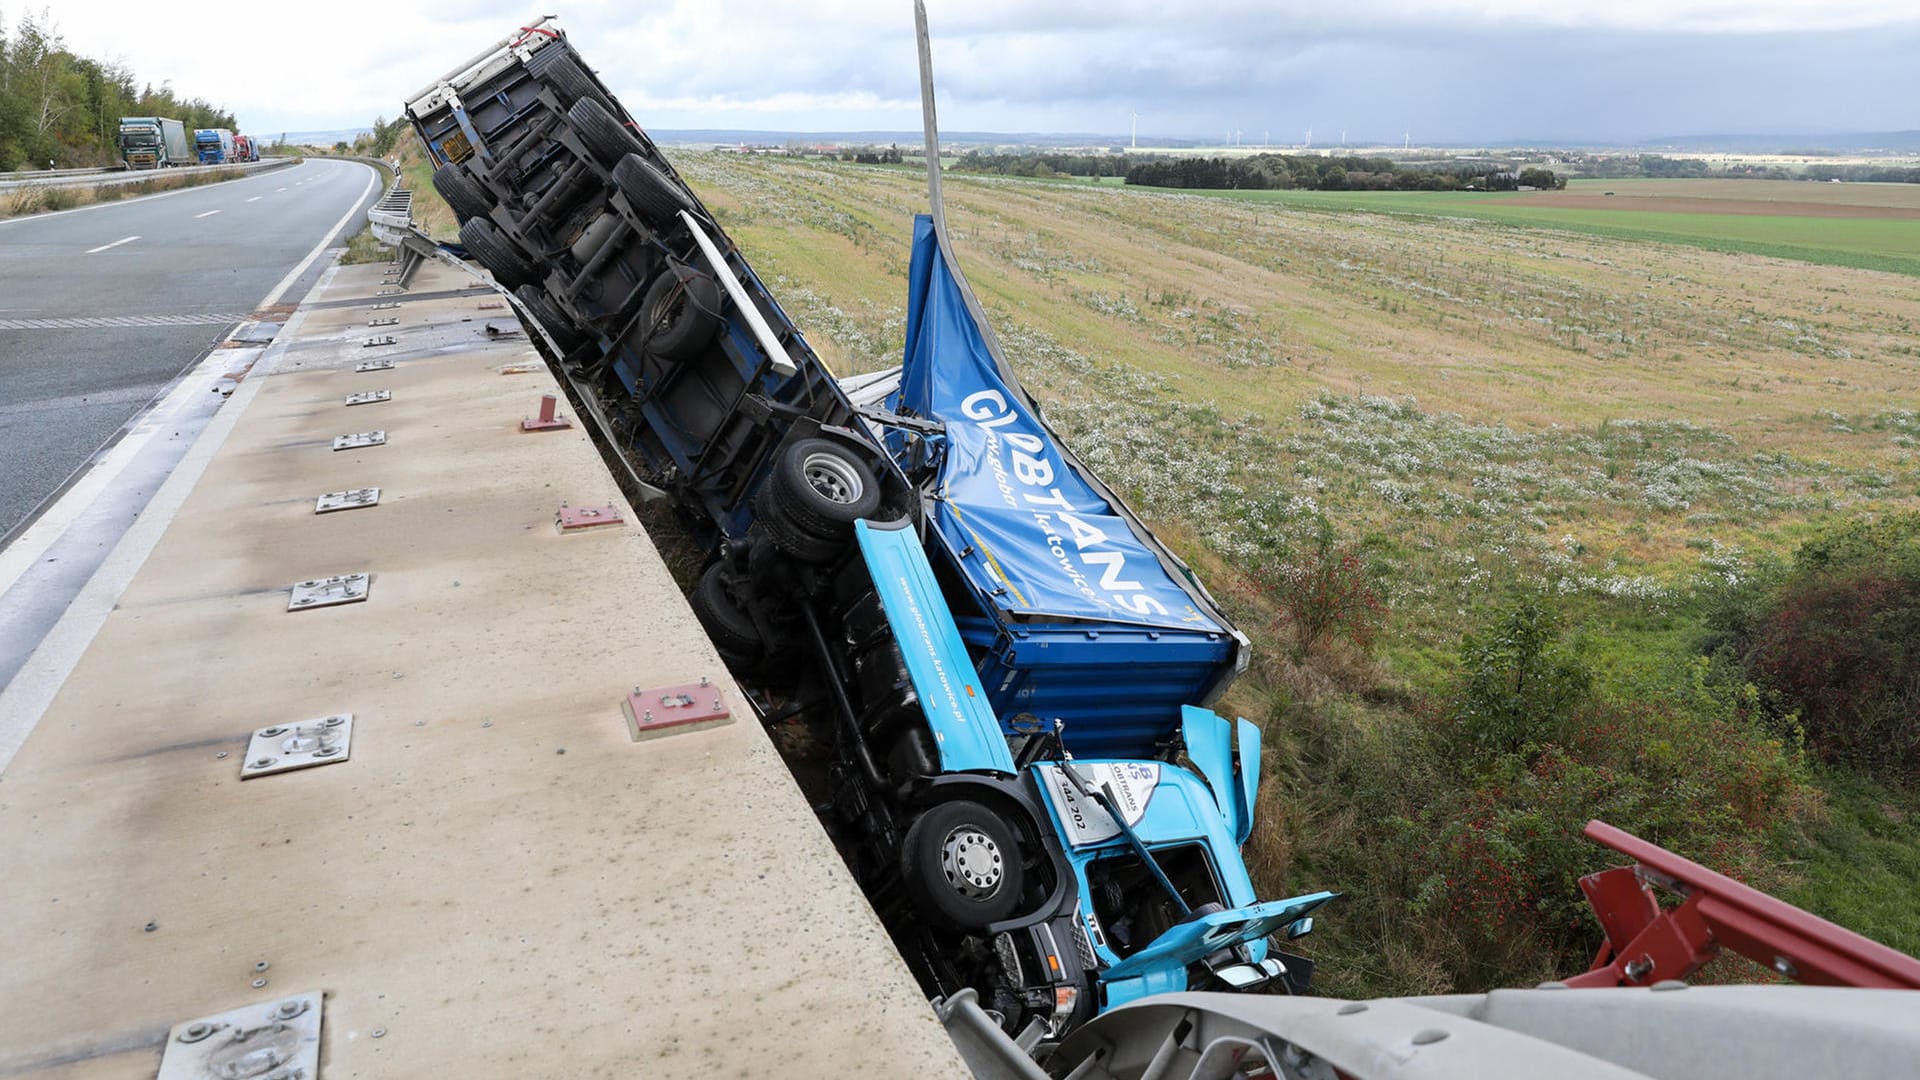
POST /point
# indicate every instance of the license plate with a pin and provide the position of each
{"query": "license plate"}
(456, 147)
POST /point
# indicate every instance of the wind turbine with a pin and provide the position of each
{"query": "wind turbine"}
(1409, 138)
(1309, 145)
(1136, 130)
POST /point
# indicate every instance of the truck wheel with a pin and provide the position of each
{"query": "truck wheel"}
(681, 310)
(724, 616)
(961, 863)
(509, 267)
(823, 487)
(604, 136)
(792, 539)
(462, 193)
(655, 197)
(569, 82)
(548, 314)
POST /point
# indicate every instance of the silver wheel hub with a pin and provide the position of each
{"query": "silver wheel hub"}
(972, 863)
(833, 477)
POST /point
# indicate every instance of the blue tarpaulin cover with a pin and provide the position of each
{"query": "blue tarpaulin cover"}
(1034, 537)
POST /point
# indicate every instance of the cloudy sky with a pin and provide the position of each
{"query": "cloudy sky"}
(1444, 70)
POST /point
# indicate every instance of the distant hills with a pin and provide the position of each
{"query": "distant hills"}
(1858, 142)
(1884, 142)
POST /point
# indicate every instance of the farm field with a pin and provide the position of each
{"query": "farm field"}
(1478, 409)
(1873, 228)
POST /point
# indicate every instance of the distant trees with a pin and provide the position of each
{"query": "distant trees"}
(61, 108)
(868, 155)
(1263, 172)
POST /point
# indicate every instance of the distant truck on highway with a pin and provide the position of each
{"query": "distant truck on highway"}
(244, 150)
(214, 145)
(153, 142)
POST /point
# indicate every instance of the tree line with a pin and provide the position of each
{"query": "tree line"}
(59, 109)
(1263, 172)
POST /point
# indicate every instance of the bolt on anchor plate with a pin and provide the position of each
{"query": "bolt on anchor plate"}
(368, 397)
(277, 1038)
(671, 710)
(374, 365)
(365, 438)
(346, 500)
(285, 747)
(571, 518)
(326, 592)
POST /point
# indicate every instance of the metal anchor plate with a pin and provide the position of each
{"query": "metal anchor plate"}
(374, 365)
(365, 438)
(346, 500)
(395, 321)
(385, 306)
(368, 397)
(376, 342)
(326, 592)
(285, 747)
(571, 518)
(389, 292)
(273, 1038)
(670, 710)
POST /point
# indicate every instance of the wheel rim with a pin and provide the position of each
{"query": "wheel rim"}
(833, 477)
(972, 863)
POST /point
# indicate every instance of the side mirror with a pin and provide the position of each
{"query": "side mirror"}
(1300, 928)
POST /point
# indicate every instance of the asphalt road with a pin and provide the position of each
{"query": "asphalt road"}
(161, 281)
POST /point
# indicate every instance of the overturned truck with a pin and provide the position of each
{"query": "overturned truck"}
(1013, 671)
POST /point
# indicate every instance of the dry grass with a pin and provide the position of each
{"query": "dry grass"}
(40, 200)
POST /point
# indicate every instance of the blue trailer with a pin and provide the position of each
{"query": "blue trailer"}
(1002, 655)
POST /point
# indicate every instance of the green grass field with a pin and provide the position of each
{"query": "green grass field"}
(1892, 245)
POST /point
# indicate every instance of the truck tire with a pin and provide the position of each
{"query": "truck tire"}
(726, 620)
(569, 82)
(960, 862)
(823, 487)
(794, 540)
(681, 311)
(654, 197)
(548, 314)
(605, 137)
(461, 192)
(510, 268)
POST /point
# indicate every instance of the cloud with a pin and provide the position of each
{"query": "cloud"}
(1454, 68)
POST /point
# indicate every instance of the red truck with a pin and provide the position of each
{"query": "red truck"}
(244, 150)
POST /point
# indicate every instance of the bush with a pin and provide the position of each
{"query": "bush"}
(1834, 641)
(1518, 682)
(1323, 590)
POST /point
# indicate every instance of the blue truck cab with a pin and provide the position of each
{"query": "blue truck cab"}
(995, 650)
(1096, 881)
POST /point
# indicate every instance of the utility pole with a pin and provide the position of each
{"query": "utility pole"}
(1136, 131)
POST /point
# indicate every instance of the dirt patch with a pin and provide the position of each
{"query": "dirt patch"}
(1680, 204)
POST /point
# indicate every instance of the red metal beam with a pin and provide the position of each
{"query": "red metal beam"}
(1645, 945)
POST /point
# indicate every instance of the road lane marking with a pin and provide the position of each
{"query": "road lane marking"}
(256, 198)
(279, 189)
(115, 244)
(209, 213)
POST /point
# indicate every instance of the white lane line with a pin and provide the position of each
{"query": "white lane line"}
(278, 190)
(24, 700)
(115, 244)
(256, 198)
(208, 213)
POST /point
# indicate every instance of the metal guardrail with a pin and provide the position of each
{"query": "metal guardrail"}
(96, 178)
(39, 174)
